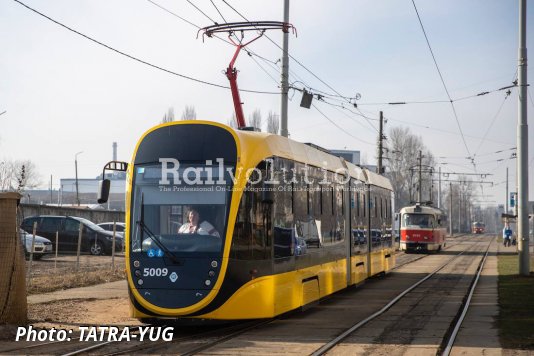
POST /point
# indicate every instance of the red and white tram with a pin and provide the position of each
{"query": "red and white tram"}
(422, 228)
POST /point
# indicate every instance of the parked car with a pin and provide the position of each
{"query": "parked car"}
(95, 239)
(41, 245)
(119, 227)
(300, 246)
(358, 237)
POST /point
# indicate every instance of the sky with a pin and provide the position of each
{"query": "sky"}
(64, 94)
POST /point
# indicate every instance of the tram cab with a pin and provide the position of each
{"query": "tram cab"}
(422, 228)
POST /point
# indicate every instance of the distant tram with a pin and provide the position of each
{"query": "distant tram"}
(422, 228)
(478, 227)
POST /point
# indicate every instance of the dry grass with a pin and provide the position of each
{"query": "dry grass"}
(516, 316)
(65, 279)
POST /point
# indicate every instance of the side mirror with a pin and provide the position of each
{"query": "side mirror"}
(103, 186)
(396, 216)
(103, 191)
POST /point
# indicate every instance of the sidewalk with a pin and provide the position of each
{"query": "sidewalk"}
(110, 290)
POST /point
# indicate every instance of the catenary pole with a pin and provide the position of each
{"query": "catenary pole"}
(380, 147)
(450, 209)
(285, 73)
(522, 147)
(439, 187)
(420, 193)
(506, 197)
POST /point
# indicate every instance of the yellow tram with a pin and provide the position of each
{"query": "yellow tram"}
(279, 224)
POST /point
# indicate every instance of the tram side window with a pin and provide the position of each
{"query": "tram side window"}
(357, 194)
(340, 214)
(253, 228)
(364, 207)
(300, 199)
(328, 219)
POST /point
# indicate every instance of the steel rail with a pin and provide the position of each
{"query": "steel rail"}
(452, 338)
(328, 346)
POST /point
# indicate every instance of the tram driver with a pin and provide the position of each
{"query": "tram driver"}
(197, 226)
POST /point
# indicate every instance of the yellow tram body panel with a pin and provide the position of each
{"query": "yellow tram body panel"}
(359, 268)
(268, 296)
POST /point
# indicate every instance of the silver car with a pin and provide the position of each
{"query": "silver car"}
(41, 246)
(119, 227)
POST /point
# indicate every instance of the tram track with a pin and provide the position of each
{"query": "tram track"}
(345, 334)
(467, 254)
(448, 341)
(198, 342)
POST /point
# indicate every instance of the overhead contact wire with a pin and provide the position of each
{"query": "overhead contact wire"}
(138, 59)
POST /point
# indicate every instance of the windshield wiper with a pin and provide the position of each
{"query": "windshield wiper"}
(162, 246)
(145, 229)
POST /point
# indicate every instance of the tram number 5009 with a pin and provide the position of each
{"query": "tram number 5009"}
(155, 272)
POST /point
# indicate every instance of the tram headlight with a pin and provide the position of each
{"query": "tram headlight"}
(207, 282)
(211, 273)
(137, 273)
(140, 282)
(136, 264)
(214, 264)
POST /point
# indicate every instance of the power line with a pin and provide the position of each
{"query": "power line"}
(441, 130)
(402, 102)
(216, 8)
(491, 124)
(172, 13)
(339, 127)
(338, 107)
(530, 96)
(293, 58)
(442, 80)
(202, 12)
(138, 59)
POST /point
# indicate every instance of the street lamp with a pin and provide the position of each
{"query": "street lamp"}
(76, 169)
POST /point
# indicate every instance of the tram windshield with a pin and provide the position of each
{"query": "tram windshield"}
(183, 214)
(418, 220)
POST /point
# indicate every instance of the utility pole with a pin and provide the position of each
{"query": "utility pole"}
(522, 147)
(439, 187)
(380, 147)
(420, 192)
(450, 209)
(506, 197)
(460, 208)
(76, 170)
(431, 184)
(50, 189)
(285, 73)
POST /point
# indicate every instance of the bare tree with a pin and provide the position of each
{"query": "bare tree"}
(255, 120)
(462, 195)
(232, 122)
(273, 123)
(168, 116)
(189, 113)
(403, 154)
(18, 175)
